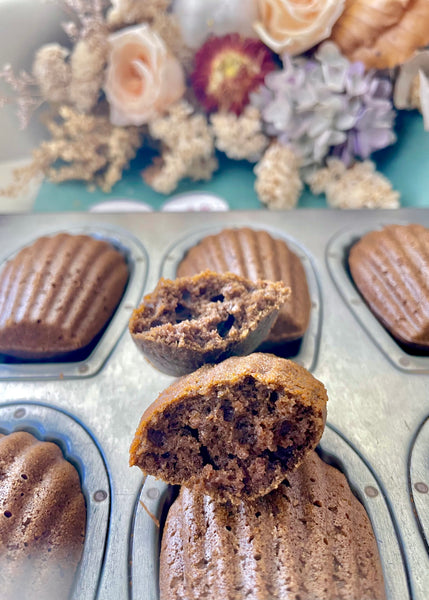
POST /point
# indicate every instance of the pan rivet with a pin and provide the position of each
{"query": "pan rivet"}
(404, 361)
(83, 369)
(100, 495)
(371, 491)
(152, 493)
(19, 413)
(421, 487)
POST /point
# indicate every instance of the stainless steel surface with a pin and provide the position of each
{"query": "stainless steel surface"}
(377, 406)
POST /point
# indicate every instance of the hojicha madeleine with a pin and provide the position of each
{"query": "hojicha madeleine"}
(310, 539)
(187, 322)
(57, 294)
(255, 254)
(42, 519)
(234, 429)
(390, 268)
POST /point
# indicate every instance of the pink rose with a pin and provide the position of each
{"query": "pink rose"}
(143, 78)
(296, 25)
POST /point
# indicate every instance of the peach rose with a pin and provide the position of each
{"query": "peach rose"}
(143, 78)
(296, 25)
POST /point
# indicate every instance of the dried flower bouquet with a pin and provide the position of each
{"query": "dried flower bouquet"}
(305, 91)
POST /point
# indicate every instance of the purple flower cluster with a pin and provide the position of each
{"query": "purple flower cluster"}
(326, 105)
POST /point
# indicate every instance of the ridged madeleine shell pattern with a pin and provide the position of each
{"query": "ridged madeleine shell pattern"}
(390, 267)
(309, 539)
(256, 255)
(42, 519)
(382, 33)
(57, 294)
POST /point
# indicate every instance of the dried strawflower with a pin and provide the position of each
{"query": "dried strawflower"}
(83, 147)
(360, 186)
(294, 26)
(326, 104)
(227, 69)
(200, 19)
(240, 137)
(278, 183)
(187, 149)
(143, 78)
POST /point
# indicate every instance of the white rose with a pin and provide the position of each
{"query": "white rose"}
(296, 25)
(143, 78)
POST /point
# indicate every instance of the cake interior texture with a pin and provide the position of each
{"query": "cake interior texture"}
(189, 321)
(42, 519)
(236, 438)
(310, 539)
(256, 254)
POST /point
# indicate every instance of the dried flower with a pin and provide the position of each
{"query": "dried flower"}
(326, 104)
(382, 34)
(27, 95)
(83, 147)
(88, 62)
(188, 149)
(87, 18)
(360, 186)
(240, 137)
(52, 73)
(412, 85)
(294, 26)
(278, 183)
(198, 20)
(227, 69)
(143, 78)
(129, 12)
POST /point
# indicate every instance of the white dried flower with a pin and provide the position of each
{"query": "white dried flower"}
(188, 148)
(52, 72)
(359, 186)
(240, 137)
(88, 61)
(278, 183)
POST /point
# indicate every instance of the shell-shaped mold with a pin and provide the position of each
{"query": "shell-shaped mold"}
(419, 478)
(57, 294)
(324, 545)
(390, 268)
(49, 299)
(54, 505)
(255, 254)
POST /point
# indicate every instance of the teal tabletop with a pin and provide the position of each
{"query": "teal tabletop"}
(406, 164)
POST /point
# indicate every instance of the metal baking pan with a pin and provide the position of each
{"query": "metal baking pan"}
(377, 411)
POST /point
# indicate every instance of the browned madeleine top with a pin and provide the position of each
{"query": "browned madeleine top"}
(57, 294)
(390, 267)
(310, 539)
(42, 519)
(233, 429)
(255, 254)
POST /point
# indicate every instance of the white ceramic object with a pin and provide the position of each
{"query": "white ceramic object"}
(195, 201)
(120, 205)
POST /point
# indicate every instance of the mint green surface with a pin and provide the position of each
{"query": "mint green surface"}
(406, 164)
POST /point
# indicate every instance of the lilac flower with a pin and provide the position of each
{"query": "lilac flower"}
(326, 105)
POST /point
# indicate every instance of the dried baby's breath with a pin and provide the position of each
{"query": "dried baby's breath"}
(27, 96)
